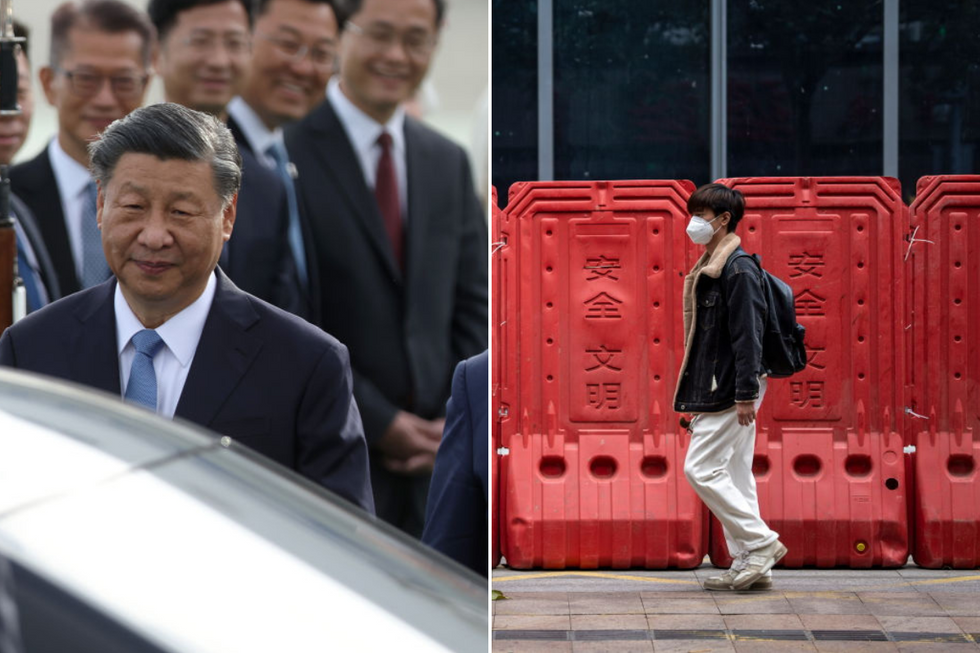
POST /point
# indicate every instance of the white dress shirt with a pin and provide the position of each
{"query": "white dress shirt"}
(363, 131)
(72, 179)
(180, 334)
(259, 136)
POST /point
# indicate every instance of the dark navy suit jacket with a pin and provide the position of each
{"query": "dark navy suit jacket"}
(263, 376)
(456, 514)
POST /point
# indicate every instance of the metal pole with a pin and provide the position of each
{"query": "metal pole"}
(889, 136)
(546, 107)
(719, 89)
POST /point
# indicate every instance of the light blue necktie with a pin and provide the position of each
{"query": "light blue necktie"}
(278, 152)
(32, 284)
(142, 386)
(94, 268)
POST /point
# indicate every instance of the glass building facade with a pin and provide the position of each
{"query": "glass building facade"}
(702, 89)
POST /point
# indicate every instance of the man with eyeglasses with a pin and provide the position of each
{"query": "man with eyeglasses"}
(294, 46)
(205, 56)
(400, 240)
(98, 72)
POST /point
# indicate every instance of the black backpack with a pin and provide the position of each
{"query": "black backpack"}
(783, 350)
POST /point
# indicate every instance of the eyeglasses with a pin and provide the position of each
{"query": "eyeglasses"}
(88, 84)
(206, 43)
(418, 44)
(293, 50)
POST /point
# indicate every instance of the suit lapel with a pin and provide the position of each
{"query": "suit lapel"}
(94, 358)
(224, 354)
(338, 156)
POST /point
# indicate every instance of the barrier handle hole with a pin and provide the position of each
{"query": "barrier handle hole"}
(603, 467)
(552, 466)
(760, 466)
(858, 465)
(653, 466)
(806, 465)
(960, 464)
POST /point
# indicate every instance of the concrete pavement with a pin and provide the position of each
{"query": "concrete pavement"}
(908, 609)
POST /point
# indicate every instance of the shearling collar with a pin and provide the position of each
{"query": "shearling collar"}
(712, 265)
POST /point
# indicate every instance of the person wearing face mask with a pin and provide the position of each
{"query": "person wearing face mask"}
(721, 382)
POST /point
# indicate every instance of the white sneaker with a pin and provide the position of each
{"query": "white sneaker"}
(758, 564)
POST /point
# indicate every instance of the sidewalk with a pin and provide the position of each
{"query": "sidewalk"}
(909, 609)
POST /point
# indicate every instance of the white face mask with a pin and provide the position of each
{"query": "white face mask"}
(699, 230)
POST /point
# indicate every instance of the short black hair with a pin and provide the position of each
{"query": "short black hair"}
(164, 13)
(170, 131)
(111, 16)
(262, 5)
(347, 8)
(21, 30)
(720, 199)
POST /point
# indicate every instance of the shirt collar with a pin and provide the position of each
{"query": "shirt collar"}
(72, 177)
(362, 129)
(256, 133)
(181, 333)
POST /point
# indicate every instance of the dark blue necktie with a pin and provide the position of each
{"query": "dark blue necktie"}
(278, 152)
(142, 386)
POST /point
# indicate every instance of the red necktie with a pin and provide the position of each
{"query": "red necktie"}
(386, 192)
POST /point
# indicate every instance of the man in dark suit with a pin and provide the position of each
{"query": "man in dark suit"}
(456, 514)
(400, 240)
(294, 47)
(100, 62)
(171, 332)
(204, 59)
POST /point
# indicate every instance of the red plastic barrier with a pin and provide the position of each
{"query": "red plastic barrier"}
(839, 242)
(591, 313)
(836, 497)
(945, 370)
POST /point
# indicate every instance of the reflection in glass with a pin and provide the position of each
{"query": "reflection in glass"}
(804, 88)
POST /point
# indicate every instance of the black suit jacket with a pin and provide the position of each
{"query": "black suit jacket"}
(257, 257)
(406, 331)
(260, 375)
(307, 307)
(35, 184)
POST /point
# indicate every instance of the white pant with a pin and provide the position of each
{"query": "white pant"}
(719, 468)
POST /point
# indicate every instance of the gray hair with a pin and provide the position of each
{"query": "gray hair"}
(170, 131)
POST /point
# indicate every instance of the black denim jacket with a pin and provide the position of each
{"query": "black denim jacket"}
(727, 341)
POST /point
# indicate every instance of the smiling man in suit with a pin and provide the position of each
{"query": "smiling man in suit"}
(98, 72)
(171, 332)
(400, 239)
(205, 56)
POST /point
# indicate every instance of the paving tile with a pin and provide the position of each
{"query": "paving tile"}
(935, 647)
(524, 605)
(613, 646)
(605, 603)
(670, 595)
(522, 646)
(685, 622)
(968, 624)
(958, 604)
(608, 622)
(754, 605)
(763, 622)
(849, 605)
(531, 622)
(692, 645)
(681, 606)
(840, 622)
(915, 624)
(897, 605)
